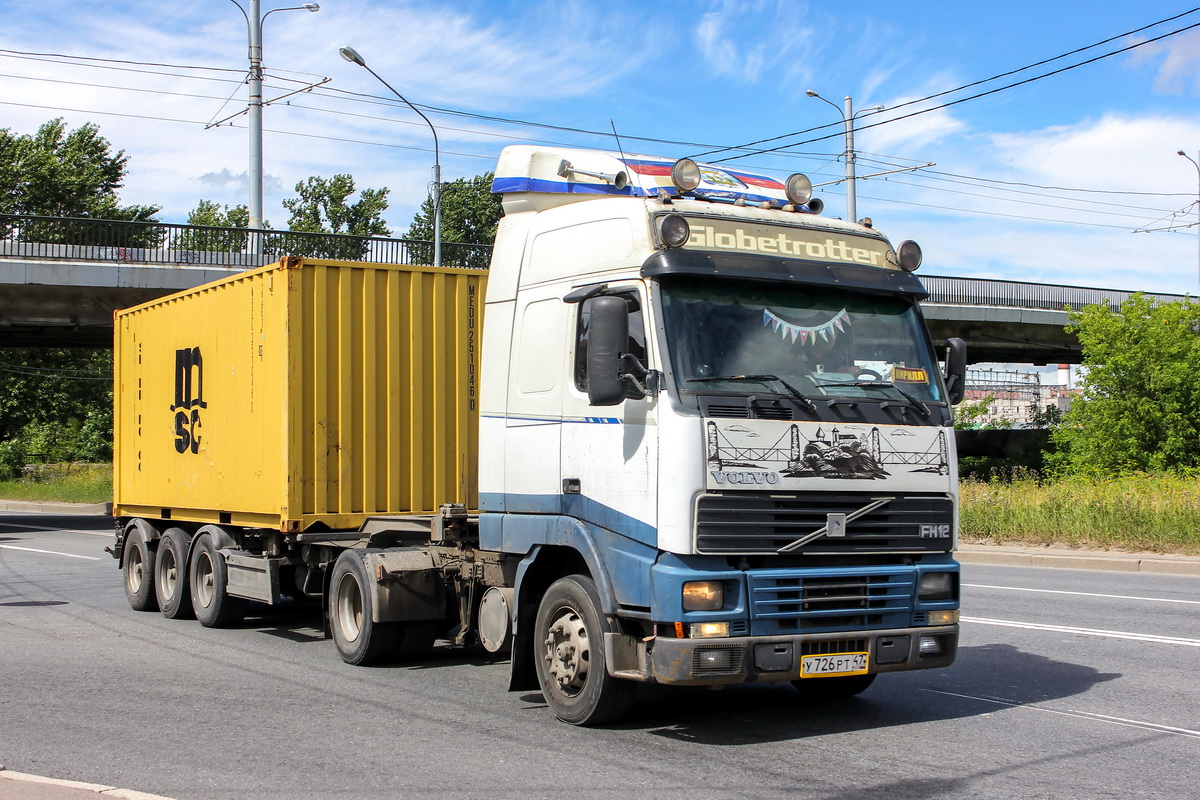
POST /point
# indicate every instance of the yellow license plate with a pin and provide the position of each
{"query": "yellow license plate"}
(833, 664)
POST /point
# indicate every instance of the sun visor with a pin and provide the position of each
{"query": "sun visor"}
(773, 268)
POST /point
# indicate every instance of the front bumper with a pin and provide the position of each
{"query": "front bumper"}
(777, 658)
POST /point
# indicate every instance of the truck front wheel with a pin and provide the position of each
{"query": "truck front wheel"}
(569, 654)
(208, 579)
(360, 640)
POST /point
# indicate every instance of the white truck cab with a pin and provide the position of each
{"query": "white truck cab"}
(728, 408)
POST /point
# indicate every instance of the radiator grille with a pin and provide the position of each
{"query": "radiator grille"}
(789, 602)
(758, 522)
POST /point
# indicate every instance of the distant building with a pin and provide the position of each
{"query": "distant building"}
(1018, 394)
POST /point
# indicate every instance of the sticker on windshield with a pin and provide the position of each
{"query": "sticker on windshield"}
(909, 375)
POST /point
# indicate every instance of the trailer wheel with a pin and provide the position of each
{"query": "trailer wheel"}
(139, 570)
(569, 654)
(818, 690)
(171, 575)
(208, 580)
(359, 639)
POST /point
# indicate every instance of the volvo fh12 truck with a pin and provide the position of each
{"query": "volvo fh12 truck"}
(684, 430)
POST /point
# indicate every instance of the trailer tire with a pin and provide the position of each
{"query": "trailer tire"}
(821, 690)
(569, 655)
(360, 640)
(208, 580)
(138, 570)
(171, 575)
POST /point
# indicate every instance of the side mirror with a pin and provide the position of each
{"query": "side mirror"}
(956, 370)
(608, 336)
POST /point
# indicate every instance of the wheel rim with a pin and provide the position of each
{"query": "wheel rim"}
(568, 653)
(135, 568)
(168, 573)
(349, 606)
(205, 579)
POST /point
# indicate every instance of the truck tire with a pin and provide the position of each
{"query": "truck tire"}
(359, 639)
(171, 575)
(569, 655)
(138, 570)
(821, 690)
(208, 580)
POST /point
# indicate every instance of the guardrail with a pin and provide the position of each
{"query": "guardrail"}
(238, 248)
(1016, 294)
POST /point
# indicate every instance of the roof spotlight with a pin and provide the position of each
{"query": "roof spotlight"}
(798, 189)
(907, 256)
(685, 174)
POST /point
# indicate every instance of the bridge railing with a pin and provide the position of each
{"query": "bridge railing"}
(64, 238)
(1017, 294)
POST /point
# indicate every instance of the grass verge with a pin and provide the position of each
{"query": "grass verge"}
(61, 483)
(1151, 513)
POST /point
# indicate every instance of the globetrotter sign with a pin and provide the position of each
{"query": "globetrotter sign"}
(813, 245)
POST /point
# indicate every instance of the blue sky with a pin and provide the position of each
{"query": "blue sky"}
(1001, 201)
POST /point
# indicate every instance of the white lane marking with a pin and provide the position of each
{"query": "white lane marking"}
(26, 528)
(1137, 637)
(1129, 723)
(47, 552)
(1083, 594)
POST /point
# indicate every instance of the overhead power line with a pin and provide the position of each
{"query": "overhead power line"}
(838, 123)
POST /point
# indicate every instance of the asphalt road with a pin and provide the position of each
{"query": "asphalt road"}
(1069, 684)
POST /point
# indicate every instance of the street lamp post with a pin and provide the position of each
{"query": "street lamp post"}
(351, 55)
(847, 113)
(1197, 166)
(254, 23)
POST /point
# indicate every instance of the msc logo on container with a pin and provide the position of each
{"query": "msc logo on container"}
(189, 399)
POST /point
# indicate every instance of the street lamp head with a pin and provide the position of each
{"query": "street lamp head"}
(1180, 153)
(351, 55)
(313, 7)
(811, 93)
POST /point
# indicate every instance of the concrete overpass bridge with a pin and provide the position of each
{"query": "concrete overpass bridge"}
(60, 281)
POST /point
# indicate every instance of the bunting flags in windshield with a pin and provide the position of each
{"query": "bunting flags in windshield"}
(827, 331)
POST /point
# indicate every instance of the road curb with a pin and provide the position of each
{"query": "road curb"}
(1074, 559)
(97, 788)
(56, 508)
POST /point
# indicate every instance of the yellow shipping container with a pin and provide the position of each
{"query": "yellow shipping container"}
(306, 392)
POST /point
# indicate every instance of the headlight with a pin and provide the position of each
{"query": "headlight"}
(709, 630)
(703, 596)
(936, 586)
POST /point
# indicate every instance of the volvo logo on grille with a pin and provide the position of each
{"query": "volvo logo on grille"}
(752, 478)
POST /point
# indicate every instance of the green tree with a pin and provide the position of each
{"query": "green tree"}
(61, 173)
(470, 215)
(1140, 405)
(323, 207)
(214, 215)
(55, 405)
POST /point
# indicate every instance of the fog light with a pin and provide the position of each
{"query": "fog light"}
(703, 596)
(942, 617)
(709, 630)
(930, 646)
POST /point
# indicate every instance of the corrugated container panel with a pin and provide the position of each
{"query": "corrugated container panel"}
(301, 393)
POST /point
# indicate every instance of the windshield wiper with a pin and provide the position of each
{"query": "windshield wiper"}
(804, 401)
(920, 407)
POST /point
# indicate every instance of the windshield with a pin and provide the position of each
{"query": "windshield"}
(747, 336)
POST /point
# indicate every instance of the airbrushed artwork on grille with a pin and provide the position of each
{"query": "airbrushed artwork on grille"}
(764, 454)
